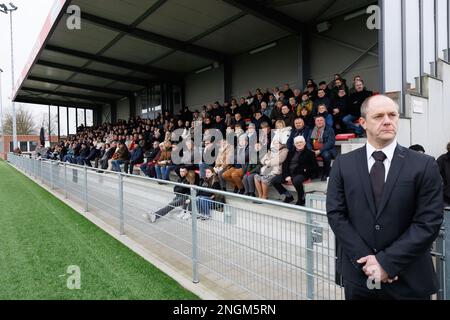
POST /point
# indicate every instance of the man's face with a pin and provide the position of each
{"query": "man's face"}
(322, 109)
(321, 93)
(381, 122)
(218, 119)
(299, 124)
(320, 122)
(237, 116)
(359, 86)
(342, 93)
(286, 87)
(292, 101)
(279, 104)
(285, 110)
(263, 105)
(300, 145)
(183, 172)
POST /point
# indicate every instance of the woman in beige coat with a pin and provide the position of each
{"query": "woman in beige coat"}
(224, 161)
(272, 166)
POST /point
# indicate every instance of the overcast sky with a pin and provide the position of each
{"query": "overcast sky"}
(28, 21)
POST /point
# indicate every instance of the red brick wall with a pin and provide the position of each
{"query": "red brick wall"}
(7, 140)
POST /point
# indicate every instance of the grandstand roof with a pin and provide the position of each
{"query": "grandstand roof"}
(125, 45)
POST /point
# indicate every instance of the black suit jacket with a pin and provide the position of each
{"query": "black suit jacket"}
(400, 233)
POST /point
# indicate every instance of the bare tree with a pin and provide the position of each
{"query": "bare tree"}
(24, 120)
(53, 124)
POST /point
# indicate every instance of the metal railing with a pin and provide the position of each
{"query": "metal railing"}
(269, 250)
(262, 250)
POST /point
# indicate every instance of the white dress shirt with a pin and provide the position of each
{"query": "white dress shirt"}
(388, 151)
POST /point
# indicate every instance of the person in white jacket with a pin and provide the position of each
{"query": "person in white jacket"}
(272, 167)
(281, 133)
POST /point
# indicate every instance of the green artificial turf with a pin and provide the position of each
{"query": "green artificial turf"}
(40, 237)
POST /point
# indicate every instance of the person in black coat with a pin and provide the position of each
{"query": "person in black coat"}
(339, 109)
(444, 167)
(385, 207)
(181, 197)
(354, 108)
(219, 124)
(300, 129)
(298, 167)
(260, 118)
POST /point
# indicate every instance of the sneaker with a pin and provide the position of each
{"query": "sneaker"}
(181, 214)
(300, 203)
(288, 199)
(151, 217)
(186, 215)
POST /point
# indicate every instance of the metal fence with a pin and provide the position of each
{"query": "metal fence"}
(263, 250)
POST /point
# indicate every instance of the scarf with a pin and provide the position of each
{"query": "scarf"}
(316, 135)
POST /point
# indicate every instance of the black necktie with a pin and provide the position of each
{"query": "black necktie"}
(377, 176)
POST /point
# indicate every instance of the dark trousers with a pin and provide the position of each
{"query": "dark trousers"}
(327, 157)
(278, 185)
(129, 166)
(297, 181)
(355, 292)
(149, 169)
(178, 201)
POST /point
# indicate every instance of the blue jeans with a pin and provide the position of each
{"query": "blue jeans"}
(148, 170)
(116, 165)
(202, 167)
(205, 205)
(348, 121)
(68, 159)
(163, 173)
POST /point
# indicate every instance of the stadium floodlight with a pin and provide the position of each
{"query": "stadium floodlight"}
(204, 69)
(264, 48)
(4, 8)
(355, 15)
(10, 11)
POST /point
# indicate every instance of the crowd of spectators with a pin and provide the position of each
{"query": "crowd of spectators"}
(290, 131)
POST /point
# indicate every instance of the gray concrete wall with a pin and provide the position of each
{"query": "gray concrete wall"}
(331, 57)
(123, 109)
(204, 88)
(267, 69)
(106, 114)
(430, 115)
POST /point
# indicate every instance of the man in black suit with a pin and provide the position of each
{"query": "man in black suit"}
(385, 206)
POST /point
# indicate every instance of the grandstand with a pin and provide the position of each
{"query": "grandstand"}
(137, 73)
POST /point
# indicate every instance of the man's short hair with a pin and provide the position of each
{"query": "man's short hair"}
(299, 139)
(366, 102)
(417, 148)
(322, 82)
(264, 125)
(448, 147)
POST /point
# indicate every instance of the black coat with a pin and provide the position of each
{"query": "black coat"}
(355, 102)
(444, 167)
(400, 233)
(306, 164)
